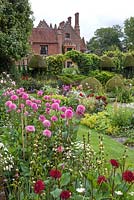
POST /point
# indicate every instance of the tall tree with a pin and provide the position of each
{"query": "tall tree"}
(105, 39)
(15, 26)
(129, 33)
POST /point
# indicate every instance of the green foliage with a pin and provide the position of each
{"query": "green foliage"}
(70, 70)
(107, 63)
(114, 83)
(102, 76)
(105, 39)
(122, 117)
(91, 83)
(31, 84)
(67, 79)
(117, 57)
(124, 95)
(55, 64)
(85, 62)
(129, 60)
(37, 62)
(15, 28)
(129, 32)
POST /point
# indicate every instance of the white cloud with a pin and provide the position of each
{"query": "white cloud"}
(93, 13)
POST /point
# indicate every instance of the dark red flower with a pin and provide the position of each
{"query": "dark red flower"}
(114, 163)
(65, 194)
(98, 97)
(39, 186)
(103, 98)
(128, 176)
(81, 95)
(54, 173)
(101, 179)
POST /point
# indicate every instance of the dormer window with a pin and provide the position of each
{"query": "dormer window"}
(67, 35)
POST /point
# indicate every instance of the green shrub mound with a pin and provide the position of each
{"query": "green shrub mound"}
(37, 61)
(107, 63)
(114, 83)
(128, 60)
(102, 76)
(91, 83)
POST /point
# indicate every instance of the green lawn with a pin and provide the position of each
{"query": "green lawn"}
(113, 149)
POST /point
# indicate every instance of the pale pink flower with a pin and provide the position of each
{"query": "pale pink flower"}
(60, 149)
(47, 111)
(80, 110)
(63, 108)
(25, 96)
(12, 106)
(30, 128)
(48, 105)
(28, 102)
(18, 111)
(8, 103)
(22, 105)
(46, 97)
(42, 118)
(55, 106)
(34, 106)
(21, 89)
(54, 118)
(62, 116)
(47, 123)
(14, 97)
(57, 101)
(40, 93)
(26, 113)
(47, 133)
(68, 114)
(38, 101)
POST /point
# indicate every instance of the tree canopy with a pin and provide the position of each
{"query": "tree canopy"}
(15, 27)
(105, 39)
(129, 32)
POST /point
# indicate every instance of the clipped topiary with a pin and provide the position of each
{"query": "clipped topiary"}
(128, 60)
(114, 83)
(37, 62)
(91, 83)
(107, 63)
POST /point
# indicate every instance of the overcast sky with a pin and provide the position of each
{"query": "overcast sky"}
(93, 14)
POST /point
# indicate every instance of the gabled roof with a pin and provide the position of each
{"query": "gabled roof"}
(43, 35)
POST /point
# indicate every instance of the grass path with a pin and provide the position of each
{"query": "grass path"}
(113, 149)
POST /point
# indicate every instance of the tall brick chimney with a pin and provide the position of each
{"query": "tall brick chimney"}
(77, 27)
(69, 20)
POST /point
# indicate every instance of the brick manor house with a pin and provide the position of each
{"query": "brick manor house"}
(47, 40)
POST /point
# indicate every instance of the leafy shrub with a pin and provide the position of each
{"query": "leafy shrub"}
(128, 60)
(37, 62)
(70, 70)
(122, 117)
(107, 63)
(55, 64)
(114, 83)
(31, 84)
(91, 83)
(102, 76)
(67, 79)
(85, 62)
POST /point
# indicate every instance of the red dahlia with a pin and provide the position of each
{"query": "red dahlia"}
(114, 163)
(128, 176)
(39, 186)
(65, 194)
(101, 179)
(54, 173)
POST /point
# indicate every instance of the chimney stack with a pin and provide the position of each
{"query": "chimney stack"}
(77, 27)
(69, 20)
